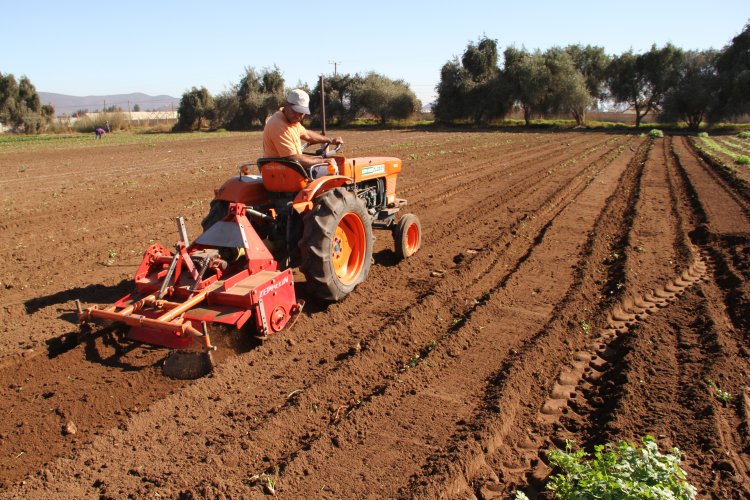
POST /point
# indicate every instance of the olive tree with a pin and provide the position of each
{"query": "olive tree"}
(567, 91)
(196, 105)
(452, 92)
(473, 88)
(227, 105)
(642, 80)
(259, 94)
(338, 97)
(694, 91)
(733, 71)
(384, 98)
(591, 62)
(529, 80)
(487, 94)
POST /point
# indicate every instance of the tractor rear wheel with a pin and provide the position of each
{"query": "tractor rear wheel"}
(336, 244)
(407, 236)
(217, 211)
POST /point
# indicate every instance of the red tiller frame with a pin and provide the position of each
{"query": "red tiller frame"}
(252, 286)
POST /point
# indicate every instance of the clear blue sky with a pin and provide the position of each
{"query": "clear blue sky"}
(167, 47)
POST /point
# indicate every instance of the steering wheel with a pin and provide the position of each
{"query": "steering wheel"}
(322, 152)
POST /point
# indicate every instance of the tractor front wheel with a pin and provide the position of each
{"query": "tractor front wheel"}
(407, 236)
(336, 244)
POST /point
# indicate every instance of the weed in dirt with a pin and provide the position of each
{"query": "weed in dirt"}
(723, 396)
(423, 353)
(621, 470)
(111, 256)
(413, 361)
(269, 481)
(429, 347)
(745, 134)
(702, 134)
(586, 327)
(612, 257)
(742, 160)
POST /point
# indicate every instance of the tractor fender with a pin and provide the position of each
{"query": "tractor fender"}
(303, 202)
(247, 189)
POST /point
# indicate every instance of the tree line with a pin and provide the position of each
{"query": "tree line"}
(261, 92)
(678, 85)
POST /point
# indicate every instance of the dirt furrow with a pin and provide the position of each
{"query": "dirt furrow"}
(571, 285)
(296, 351)
(654, 388)
(651, 251)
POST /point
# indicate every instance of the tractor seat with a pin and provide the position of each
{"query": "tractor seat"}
(281, 175)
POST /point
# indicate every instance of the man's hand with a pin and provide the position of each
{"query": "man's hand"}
(333, 166)
(336, 140)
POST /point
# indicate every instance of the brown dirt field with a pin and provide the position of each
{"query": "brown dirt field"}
(571, 285)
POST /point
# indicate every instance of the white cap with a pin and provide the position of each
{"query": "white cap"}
(299, 100)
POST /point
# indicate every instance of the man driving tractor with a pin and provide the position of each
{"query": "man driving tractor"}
(283, 135)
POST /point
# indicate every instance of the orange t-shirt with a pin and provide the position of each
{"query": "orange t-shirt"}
(281, 138)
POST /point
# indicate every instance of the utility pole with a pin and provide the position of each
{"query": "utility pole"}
(323, 104)
(335, 66)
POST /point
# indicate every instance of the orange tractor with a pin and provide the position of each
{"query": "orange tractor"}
(258, 227)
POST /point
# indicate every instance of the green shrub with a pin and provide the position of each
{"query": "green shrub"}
(655, 133)
(745, 134)
(742, 160)
(619, 471)
(702, 134)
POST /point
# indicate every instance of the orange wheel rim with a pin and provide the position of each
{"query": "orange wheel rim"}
(348, 248)
(412, 238)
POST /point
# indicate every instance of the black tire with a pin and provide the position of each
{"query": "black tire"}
(336, 245)
(217, 211)
(407, 236)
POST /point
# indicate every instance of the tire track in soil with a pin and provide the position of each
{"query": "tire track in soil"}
(272, 409)
(491, 454)
(674, 352)
(653, 249)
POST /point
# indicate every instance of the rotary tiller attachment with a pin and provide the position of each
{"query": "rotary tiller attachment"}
(190, 364)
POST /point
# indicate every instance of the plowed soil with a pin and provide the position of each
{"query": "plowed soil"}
(571, 286)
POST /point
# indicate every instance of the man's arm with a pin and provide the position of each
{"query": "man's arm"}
(316, 138)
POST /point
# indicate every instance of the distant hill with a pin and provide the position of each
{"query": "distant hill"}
(69, 104)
